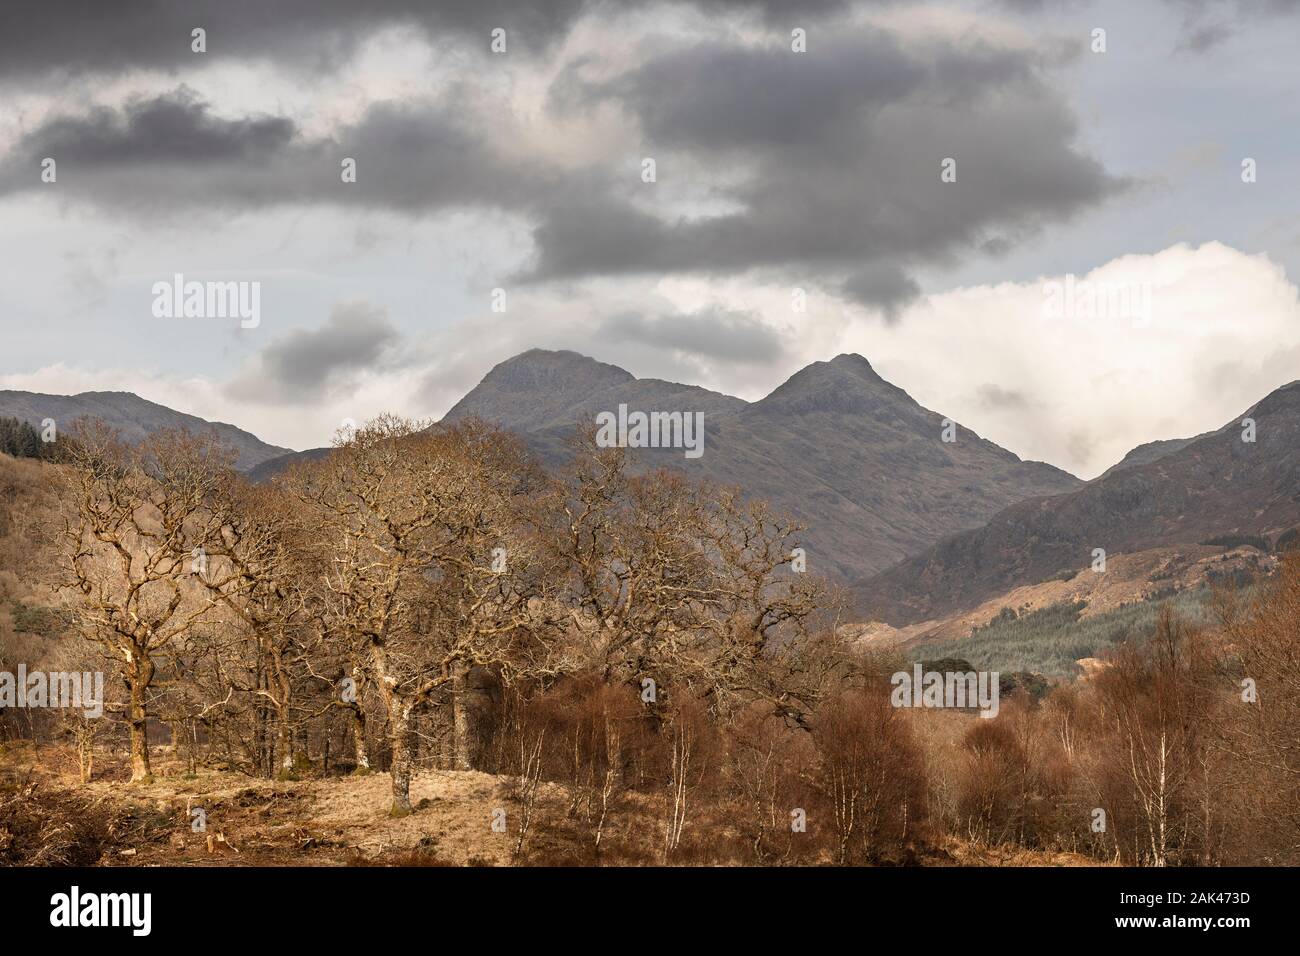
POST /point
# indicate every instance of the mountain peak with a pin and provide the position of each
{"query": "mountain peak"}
(846, 384)
(531, 387)
(543, 368)
(854, 363)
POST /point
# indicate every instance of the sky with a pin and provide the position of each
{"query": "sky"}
(1071, 226)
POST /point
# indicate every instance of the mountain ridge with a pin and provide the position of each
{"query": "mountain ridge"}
(1212, 486)
(890, 508)
(835, 445)
(134, 417)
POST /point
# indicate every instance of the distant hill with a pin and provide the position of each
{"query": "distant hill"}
(281, 463)
(838, 447)
(1213, 487)
(134, 417)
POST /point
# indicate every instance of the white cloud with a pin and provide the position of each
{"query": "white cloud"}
(1224, 331)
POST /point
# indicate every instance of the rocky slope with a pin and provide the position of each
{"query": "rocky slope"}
(1214, 486)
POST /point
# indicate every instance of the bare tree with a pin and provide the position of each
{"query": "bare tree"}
(1260, 729)
(429, 563)
(872, 775)
(139, 516)
(665, 575)
(1154, 703)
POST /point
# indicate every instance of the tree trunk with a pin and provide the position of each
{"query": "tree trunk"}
(138, 677)
(462, 719)
(285, 743)
(283, 715)
(263, 751)
(86, 751)
(359, 738)
(402, 724)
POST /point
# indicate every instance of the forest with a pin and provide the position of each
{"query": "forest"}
(635, 657)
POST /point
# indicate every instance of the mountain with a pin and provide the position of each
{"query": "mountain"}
(134, 417)
(541, 395)
(268, 469)
(1215, 487)
(1149, 452)
(836, 446)
(538, 391)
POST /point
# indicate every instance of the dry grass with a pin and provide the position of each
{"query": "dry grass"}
(964, 853)
(48, 818)
(330, 822)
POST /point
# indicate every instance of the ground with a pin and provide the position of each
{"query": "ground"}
(328, 822)
(47, 817)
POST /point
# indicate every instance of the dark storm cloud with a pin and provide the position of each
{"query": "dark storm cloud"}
(839, 152)
(171, 151)
(883, 286)
(91, 36)
(733, 336)
(827, 161)
(719, 97)
(97, 36)
(174, 128)
(303, 364)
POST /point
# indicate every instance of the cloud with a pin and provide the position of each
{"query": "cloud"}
(176, 128)
(307, 364)
(883, 286)
(712, 333)
(828, 160)
(1208, 24)
(992, 395)
(89, 38)
(1205, 37)
(171, 152)
(1083, 389)
(314, 35)
(724, 97)
(821, 165)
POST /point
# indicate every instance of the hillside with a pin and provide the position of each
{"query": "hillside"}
(134, 417)
(268, 469)
(1214, 486)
